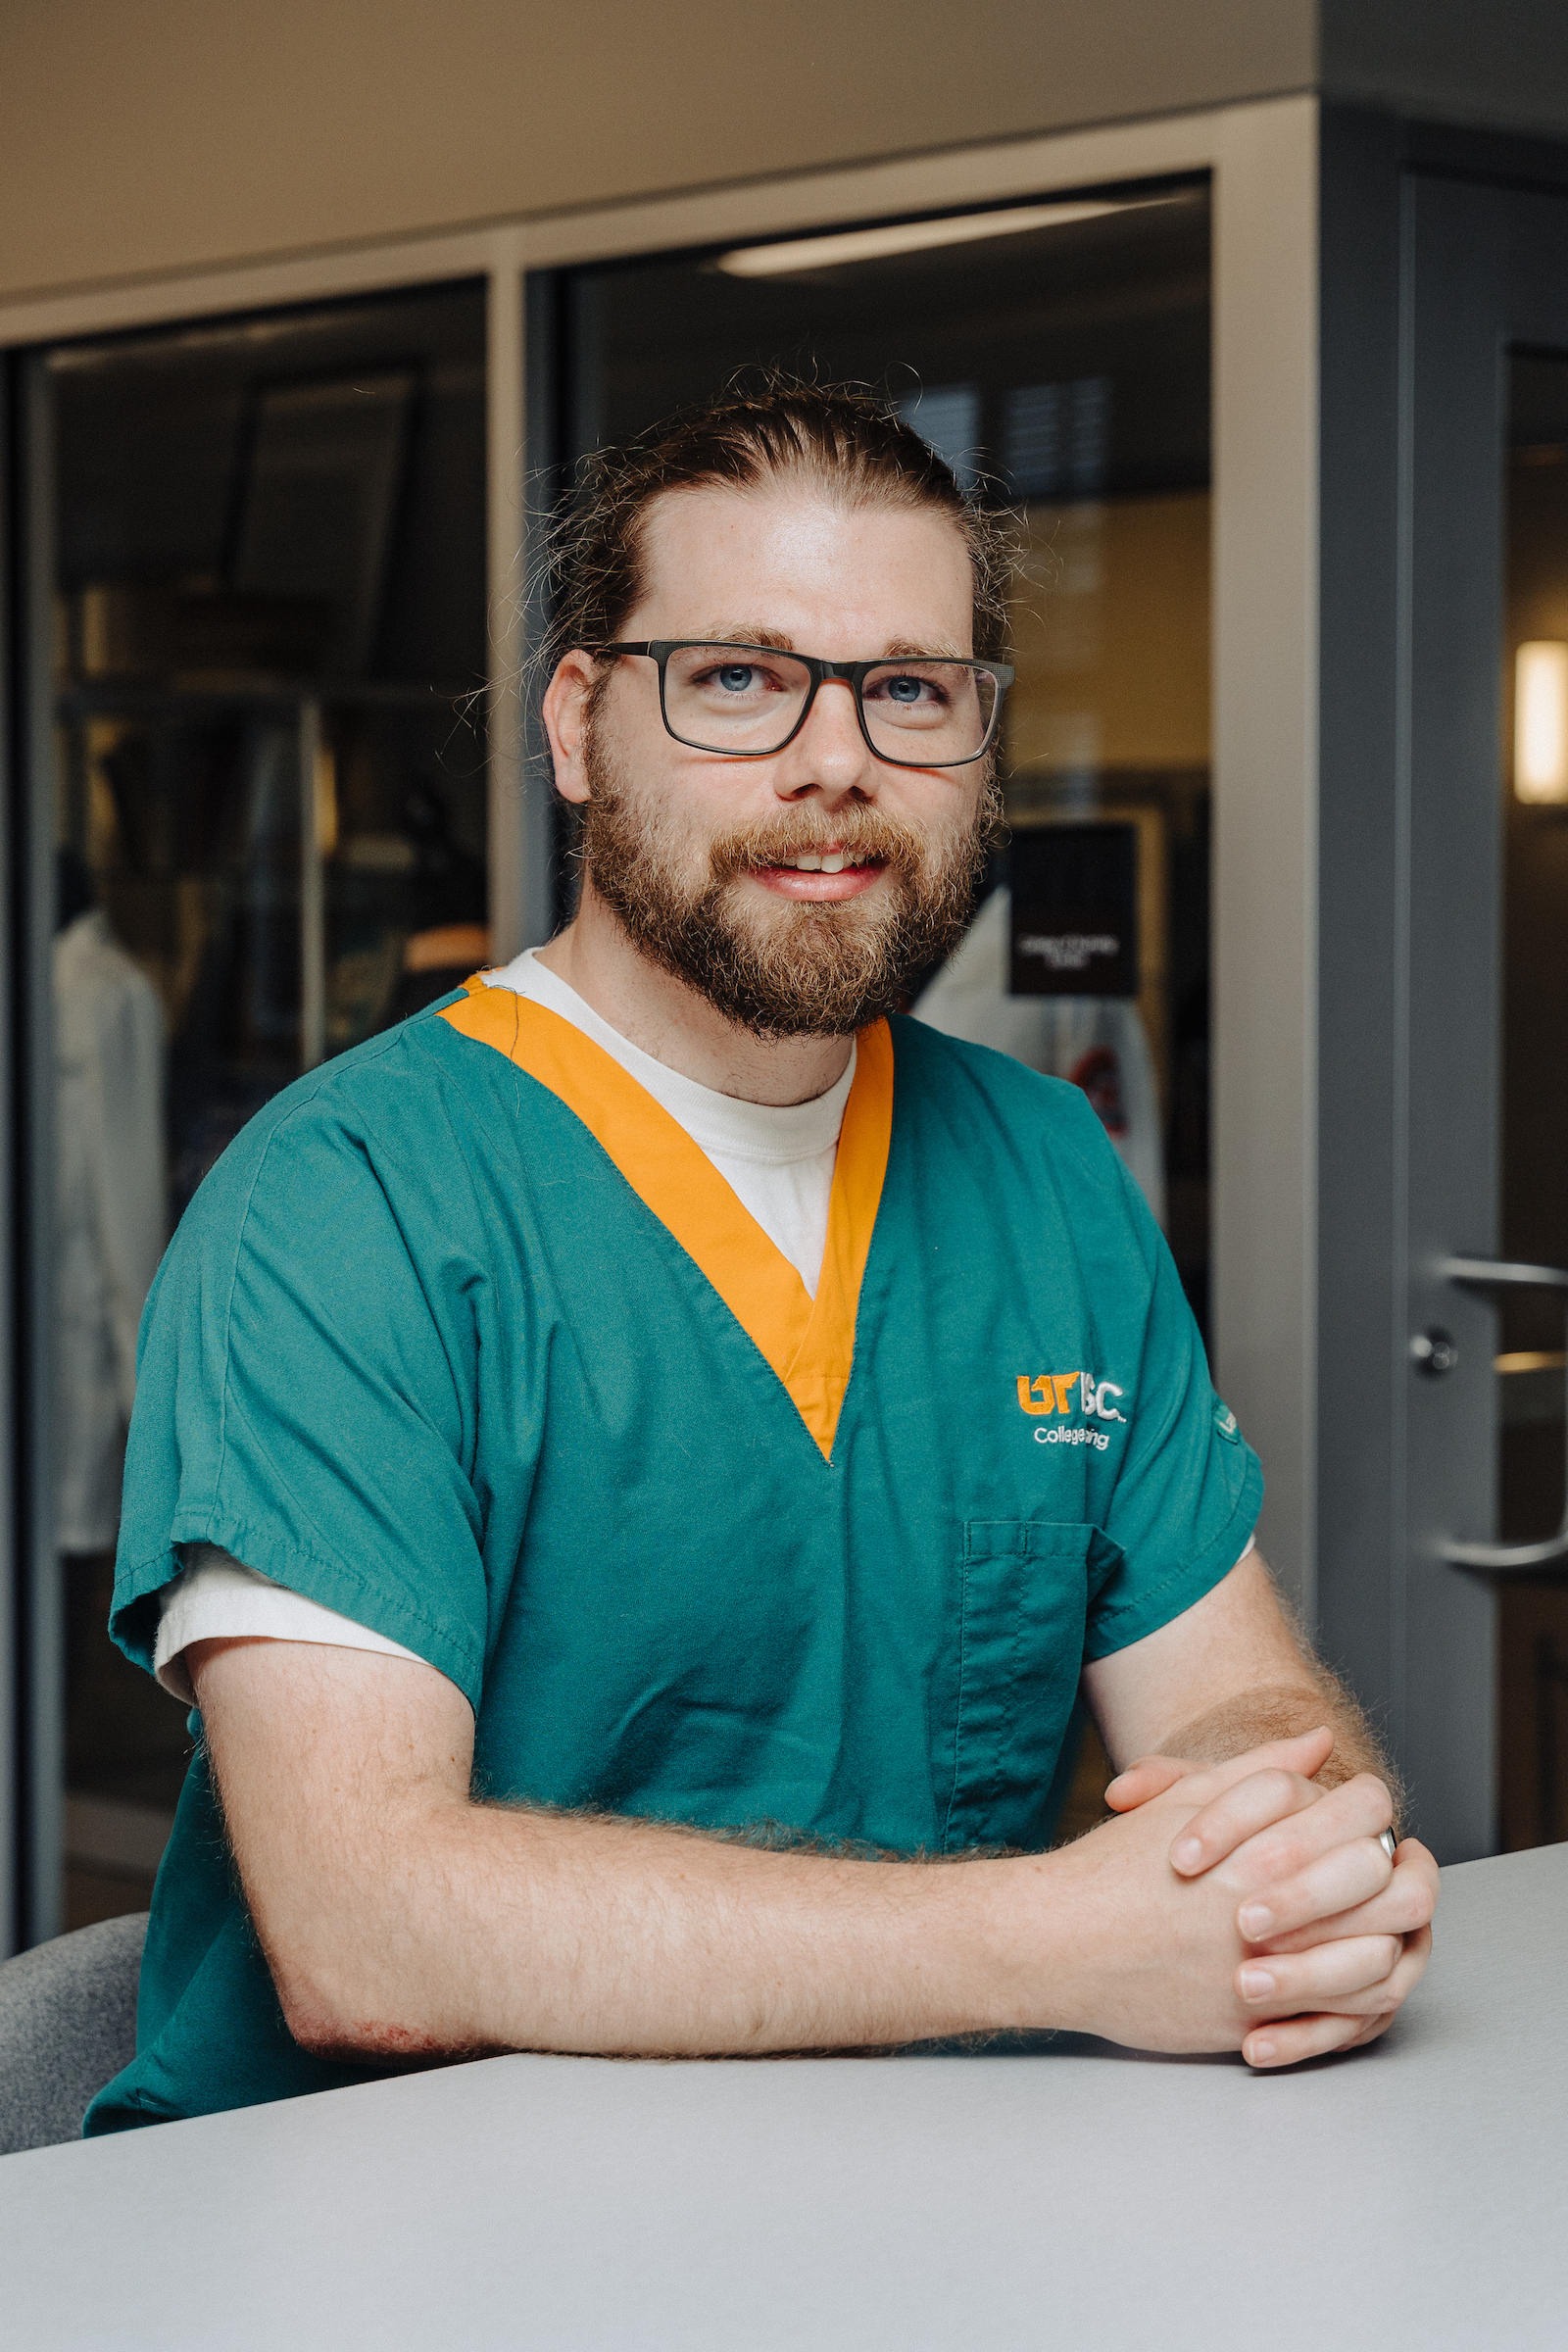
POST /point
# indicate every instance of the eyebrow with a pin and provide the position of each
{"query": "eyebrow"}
(779, 641)
(903, 650)
(774, 641)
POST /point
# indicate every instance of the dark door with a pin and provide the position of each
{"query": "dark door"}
(1480, 1606)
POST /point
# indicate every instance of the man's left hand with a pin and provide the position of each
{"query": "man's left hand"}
(1318, 1877)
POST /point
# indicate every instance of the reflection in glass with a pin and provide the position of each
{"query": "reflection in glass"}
(270, 823)
(1110, 720)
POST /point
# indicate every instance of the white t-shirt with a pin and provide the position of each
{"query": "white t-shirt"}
(777, 1159)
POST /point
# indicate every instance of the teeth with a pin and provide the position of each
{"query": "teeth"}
(826, 862)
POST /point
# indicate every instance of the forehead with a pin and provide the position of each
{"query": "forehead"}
(846, 581)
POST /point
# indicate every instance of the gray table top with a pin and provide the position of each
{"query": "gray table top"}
(1413, 2196)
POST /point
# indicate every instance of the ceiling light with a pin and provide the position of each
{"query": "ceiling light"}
(915, 236)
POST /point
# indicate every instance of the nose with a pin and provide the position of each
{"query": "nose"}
(829, 757)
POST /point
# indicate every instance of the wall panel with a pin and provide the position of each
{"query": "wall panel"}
(143, 135)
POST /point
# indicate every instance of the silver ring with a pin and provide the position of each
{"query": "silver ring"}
(1389, 1843)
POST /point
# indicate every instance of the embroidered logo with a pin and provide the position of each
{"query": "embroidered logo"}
(1052, 1392)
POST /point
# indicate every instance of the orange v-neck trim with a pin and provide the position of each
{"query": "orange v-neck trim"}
(810, 1344)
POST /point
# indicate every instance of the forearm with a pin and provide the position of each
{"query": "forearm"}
(402, 1919)
(463, 1927)
(400, 1916)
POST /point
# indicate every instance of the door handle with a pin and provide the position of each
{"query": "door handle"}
(1502, 1273)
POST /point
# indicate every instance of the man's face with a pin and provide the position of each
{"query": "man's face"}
(696, 854)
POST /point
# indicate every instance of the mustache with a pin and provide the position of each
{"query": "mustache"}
(867, 833)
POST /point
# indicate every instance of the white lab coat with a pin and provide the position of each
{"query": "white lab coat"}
(109, 1216)
(1099, 1043)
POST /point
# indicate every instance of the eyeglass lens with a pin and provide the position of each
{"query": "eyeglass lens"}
(720, 698)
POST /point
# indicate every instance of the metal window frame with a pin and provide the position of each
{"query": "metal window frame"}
(1263, 162)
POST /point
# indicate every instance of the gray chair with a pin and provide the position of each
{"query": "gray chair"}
(68, 2024)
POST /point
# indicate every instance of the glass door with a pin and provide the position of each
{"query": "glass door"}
(268, 641)
(1483, 1600)
(1533, 1422)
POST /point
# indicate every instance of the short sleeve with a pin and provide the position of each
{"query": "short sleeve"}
(306, 1395)
(1189, 1487)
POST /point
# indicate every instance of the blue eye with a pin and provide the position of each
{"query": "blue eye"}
(736, 677)
(905, 690)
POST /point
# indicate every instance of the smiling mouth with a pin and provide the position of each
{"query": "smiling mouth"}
(820, 876)
(822, 862)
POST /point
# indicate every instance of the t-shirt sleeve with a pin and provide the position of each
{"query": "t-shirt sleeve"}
(219, 1598)
(306, 1399)
(1189, 1487)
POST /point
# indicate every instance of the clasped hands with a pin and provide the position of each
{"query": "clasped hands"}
(1332, 1936)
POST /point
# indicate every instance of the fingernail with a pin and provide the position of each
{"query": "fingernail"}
(1256, 1983)
(1255, 1921)
(1189, 1852)
(1260, 2052)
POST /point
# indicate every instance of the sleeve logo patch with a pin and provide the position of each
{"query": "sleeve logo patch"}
(1052, 1392)
(1226, 1423)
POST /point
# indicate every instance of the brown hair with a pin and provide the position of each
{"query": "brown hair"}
(845, 438)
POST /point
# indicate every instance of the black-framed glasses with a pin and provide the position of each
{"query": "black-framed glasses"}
(747, 702)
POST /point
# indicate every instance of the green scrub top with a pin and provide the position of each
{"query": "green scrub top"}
(465, 1338)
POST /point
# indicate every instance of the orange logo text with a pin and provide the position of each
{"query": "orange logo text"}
(1046, 1392)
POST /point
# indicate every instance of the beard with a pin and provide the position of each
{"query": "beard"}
(799, 968)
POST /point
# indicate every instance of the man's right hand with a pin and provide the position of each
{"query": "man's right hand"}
(1176, 1953)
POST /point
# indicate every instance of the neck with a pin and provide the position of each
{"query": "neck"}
(676, 1024)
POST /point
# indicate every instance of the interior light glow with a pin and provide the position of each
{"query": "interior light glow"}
(1540, 720)
(917, 236)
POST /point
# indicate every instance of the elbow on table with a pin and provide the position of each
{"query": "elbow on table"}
(362, 2015)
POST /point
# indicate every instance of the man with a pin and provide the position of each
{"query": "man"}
(637, 1462)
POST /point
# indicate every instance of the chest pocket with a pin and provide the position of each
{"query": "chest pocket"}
(1024, 1602)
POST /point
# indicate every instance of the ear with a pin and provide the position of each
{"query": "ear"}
(564, 711)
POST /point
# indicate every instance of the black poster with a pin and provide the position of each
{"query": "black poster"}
(1074, 910)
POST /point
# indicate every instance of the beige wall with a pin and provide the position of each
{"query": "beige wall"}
(141, 136)
(146, 136)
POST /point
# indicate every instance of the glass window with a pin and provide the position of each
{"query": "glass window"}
(1057, 355)
(270, 631)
